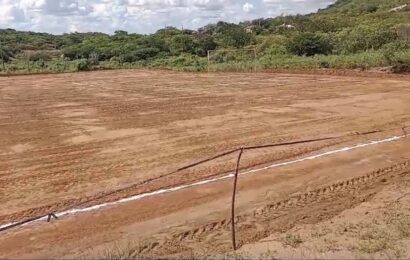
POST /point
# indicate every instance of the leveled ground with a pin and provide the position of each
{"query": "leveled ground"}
(66, 137)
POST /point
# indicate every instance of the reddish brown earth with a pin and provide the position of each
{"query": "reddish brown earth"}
(71, 136)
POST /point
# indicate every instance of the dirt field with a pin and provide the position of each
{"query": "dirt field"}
(378, 228)
(67, 138)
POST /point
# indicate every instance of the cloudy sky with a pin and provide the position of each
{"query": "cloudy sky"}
(141, 16)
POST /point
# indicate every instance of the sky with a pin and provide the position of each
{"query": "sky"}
(140, 16)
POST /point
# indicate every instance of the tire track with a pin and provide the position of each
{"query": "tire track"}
(259, 223)
(187, 176)
(125, 196)
(70, 161)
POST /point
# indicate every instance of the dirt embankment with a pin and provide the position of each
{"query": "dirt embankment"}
(67, 137)
(377, 228)
(310, 209)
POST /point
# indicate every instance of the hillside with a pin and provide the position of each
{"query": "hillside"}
(348, 34)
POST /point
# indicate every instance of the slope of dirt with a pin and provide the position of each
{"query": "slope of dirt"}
(378, 228)
(307, 208)
(67, 138)
(63, 137)
(153, 223)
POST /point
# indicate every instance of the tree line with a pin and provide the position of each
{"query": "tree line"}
(346, 28)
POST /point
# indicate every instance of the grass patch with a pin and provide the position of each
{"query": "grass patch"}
(292, 240)
(374, 241)
(121, 252)
(386, 236)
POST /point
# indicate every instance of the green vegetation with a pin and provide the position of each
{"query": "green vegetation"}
(348, 34)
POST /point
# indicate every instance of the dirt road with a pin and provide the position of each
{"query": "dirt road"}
(66, 137)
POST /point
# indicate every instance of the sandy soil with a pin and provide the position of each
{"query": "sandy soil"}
(378, 228)
(69, 137)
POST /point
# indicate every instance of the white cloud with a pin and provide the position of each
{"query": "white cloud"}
(142, 16)
(36, 4)
(248, 7)
(11, 14)
(295, 6)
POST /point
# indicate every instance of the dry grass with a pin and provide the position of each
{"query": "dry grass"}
(121, 252)
(373, 241)
(292, 240)
(371, 231)
(376, 229)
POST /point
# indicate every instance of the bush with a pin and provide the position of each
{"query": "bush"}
(83, 65)
(183, 62)
(273, 45)
(401, 67)
(362, 38)
(309, 44)
(181, 43)
(324, 64)
(395, 53)
(40, 56)
(403, 31)
(368, 8)
(94, 58)
(140, 54)
(232, 35)
(205, 44)
(6, 54)
(146, 53)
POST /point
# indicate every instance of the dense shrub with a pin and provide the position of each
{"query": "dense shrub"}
(309, 44)
(368, 8)
(272, 45)
(140, 54)
(403, 31)
(401, 67)
(181, 43)
(232, 35)
(6, 54)
(397, 55)
(40, 56)
(204, 44)
(83, 65)
(78, 52)
(364, 37)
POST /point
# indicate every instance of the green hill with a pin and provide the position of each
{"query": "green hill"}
(358, 6)
(347, 34)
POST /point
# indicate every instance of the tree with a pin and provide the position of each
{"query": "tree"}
(5, 55)
(364, 37)
(139, 54)
(83, 65)
(155, 41)
(237, 38)
(309, 44)
(41, 55)
(232, 35)
(204, 44)
(368, 8)
(181, 43)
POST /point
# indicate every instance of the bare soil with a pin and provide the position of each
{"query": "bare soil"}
(377, 228)
(68, 138)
